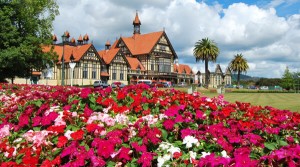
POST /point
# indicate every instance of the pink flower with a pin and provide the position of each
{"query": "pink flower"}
(85, 92)
(169, 124)
(4, 131)
(87, 111)
(104, 147)
(146, 159)
(124, 154)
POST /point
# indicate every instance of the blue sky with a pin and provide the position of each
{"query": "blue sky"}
(283, 8)
(267, 33)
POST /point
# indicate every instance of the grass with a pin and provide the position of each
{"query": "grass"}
(284, 101)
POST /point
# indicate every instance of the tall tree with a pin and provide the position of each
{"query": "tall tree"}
(287, 79)
(238, 65)
(24, 26)
(206, 50)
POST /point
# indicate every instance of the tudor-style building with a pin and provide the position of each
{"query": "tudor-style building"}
(147, 56)
(216, 78)
(128, 59)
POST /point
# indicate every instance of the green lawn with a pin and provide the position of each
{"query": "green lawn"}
(288, 101)
(284, 101)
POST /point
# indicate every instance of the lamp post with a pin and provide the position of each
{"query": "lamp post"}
(72, 66)
(64, 38)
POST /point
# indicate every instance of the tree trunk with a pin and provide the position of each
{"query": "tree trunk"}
(238, 79)
(12, 80)
(206, 73)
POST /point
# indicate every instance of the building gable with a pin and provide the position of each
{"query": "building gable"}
(119, 59)
(218, 69)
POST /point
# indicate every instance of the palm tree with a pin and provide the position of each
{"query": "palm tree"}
(238, 64)
(206, 50)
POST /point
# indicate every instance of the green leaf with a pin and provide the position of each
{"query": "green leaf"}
(110, 164)
(38, 103)
(282, 143)
(270, 146)
(145, 106)
(56, 152)
(37, 128)
(164, 134)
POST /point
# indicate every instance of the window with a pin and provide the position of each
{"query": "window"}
(121, 75)
(164, 65)
(85, 71)
(152, 65)
(94, 71)
(114, 73)
(162, 48)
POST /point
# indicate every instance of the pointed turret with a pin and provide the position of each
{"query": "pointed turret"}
(107, 45)
(79, 40)
(136, 24)
(86, 39)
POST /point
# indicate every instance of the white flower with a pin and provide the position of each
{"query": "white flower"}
(204, 154)
(192, 155)
(189, 141)
(68, 134)
(161, 160)
(224, 154)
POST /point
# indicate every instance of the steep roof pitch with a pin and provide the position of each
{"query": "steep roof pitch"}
(76, 51)
(142, 44)
(108, 55)
(181, 68)
(135, 63)
(218, 69)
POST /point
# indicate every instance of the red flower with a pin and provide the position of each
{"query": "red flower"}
(30, 161)
(177, 155)
(57, 129)
(91, 127)
(121, 95)
(62, 140)
(78, 135)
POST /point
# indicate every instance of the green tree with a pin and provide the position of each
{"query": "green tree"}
(238, 64)
(25, 25)
(206, 50)
(287, 79)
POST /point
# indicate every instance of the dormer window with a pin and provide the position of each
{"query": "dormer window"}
(138, 70)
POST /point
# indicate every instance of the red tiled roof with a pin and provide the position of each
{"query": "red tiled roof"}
(135, 63)
(114, 45)
(142, 44)
(36, 73)
(108, 55)
(105, 74)
(180, 68)
(136, 19)
(78, 51)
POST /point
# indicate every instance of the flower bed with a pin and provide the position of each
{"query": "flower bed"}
(139, 126)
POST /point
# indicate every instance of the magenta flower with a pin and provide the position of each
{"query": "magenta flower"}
(146, 159)
(169, 124)
(85, 92)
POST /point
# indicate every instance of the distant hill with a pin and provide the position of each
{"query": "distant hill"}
(244, 77)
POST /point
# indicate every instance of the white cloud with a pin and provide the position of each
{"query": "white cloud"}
(258, 33)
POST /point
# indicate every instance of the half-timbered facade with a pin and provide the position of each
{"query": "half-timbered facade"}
(128, 59)
(216, 78)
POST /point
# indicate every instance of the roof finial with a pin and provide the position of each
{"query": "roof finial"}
(136, 24)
